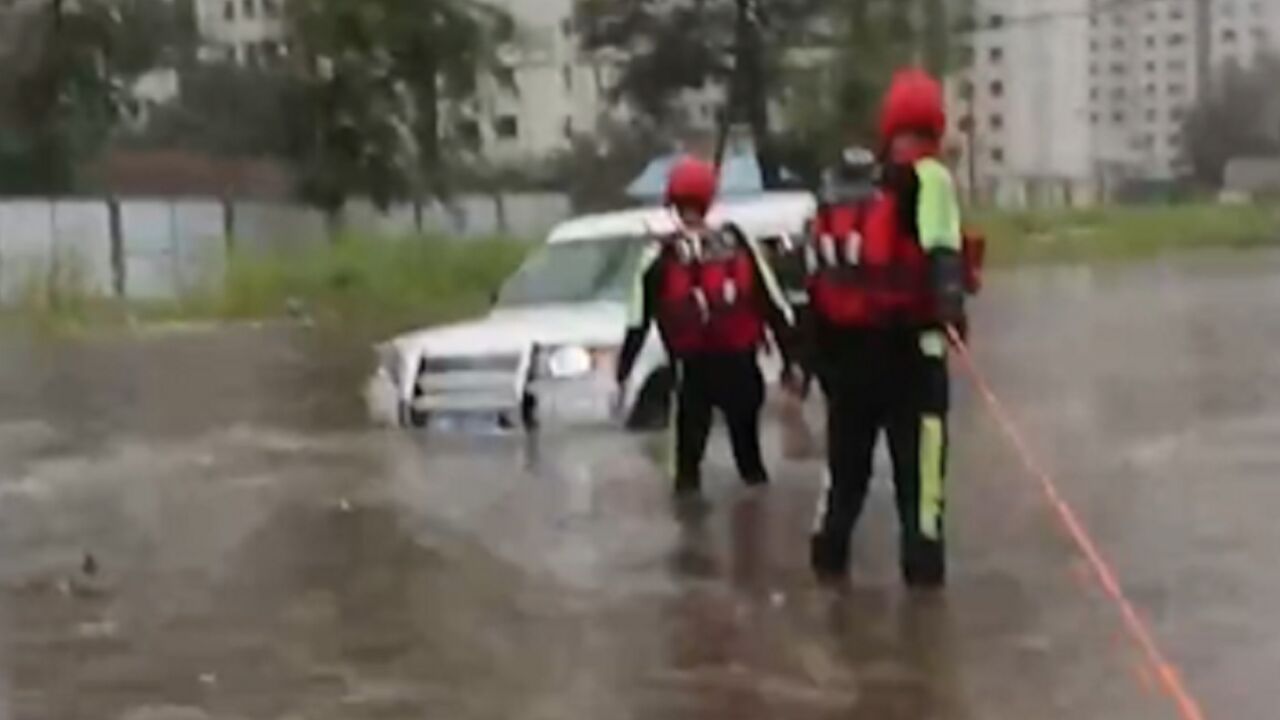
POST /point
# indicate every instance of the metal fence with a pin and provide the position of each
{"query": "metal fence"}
(165, 248)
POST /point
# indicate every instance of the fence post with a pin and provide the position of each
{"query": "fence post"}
(500, 211)
(115, 230)
(229, 224)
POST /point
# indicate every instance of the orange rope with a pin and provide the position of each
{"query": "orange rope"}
(1141, 634)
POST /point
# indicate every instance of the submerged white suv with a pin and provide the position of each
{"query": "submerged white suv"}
(547, 350)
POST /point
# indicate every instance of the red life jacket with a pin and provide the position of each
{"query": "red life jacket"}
(708, 301)
(865, 270)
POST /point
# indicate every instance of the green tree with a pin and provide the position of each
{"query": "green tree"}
(834, 100)
(1240, 117)
(69, 79)
(665, 49)
(374, 77)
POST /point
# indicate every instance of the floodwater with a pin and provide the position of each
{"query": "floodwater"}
(201, 525)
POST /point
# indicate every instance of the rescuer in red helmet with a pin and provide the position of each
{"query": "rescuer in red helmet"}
(886, 277)
(713, 297)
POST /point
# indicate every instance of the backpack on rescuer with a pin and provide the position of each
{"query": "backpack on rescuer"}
(707, 302)
(866, 271)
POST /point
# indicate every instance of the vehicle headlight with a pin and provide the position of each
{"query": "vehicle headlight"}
(389, 361)
(570, 361)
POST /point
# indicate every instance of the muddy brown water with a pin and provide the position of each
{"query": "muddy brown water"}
(256, 551)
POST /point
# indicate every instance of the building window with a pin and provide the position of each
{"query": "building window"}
(965, 124)
(249, 9)
(1176, 89)
(1151, 89)
(567, 128)
(1093, 93)
(506, 78)
(1118, 94)
(966, 90)
(1229, 36)
(996, 55)
(997, 122)
(1093, 118)
(469, 134)
(506, 127)
(1117, 117)
(271, 8)
(1177, 40)
(1151, 116)
(1151, 41)
(566, 76)
(1117, 68)
(229, 10)
(997, 88)
(997, 155)
(997, 22)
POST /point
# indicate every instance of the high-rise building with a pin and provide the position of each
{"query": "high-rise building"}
(1064, 99)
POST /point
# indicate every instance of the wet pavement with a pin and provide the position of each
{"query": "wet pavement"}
(202, 525)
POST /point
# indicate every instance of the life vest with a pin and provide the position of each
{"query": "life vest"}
(865, 270)
(708, 302)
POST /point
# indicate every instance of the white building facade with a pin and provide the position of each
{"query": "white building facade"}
(1066, 99)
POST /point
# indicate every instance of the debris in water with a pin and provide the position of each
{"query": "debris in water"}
(101, 630)
(344, 505)
(208, 679)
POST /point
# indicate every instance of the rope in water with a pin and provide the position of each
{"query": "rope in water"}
(1138, 629)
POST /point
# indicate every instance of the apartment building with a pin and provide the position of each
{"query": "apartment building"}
(1066, 99)
(249, 32)
(1020, 110)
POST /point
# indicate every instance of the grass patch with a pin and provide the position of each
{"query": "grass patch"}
(1110, 234)
(356, 284)
(377, 284)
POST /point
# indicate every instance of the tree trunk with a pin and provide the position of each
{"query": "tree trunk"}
(749, 97)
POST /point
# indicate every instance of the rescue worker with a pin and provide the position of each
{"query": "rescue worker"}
(712, 296)
(886, 279)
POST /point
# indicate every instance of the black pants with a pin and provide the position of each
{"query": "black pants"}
(893, 381)
(733, 383)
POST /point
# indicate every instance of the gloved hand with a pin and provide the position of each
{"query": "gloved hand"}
(795, 381)
(960, 326)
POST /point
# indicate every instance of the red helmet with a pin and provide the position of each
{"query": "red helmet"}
(692, 183)
(914, 102)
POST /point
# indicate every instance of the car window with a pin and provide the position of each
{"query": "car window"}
(575, 272)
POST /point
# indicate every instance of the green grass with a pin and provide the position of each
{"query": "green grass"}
(1111, 234)
(376, 283)
(356, 284)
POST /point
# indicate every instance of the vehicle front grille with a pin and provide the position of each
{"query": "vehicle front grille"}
(471, 382)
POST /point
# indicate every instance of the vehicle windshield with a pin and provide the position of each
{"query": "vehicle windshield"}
(575, 272)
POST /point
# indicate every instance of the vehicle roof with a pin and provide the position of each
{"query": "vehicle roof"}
(772, 214)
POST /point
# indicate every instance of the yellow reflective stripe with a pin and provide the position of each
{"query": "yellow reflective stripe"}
(771, 284)
(938, 211)
(931, 479)
(933, 344)
(673, 424)
(635, 309)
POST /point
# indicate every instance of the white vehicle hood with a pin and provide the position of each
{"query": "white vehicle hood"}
(514, 329)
